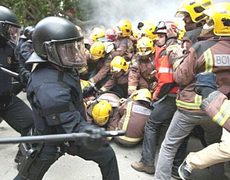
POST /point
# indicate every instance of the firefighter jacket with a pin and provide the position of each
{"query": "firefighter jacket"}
(119, 81)
(113, 99)
(124, 47)
(166, 84)
(140, 74)
(99, 69)
(133, 116)
(212, 55)
(217, 106)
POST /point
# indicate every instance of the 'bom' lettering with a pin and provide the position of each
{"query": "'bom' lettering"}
(222, 60)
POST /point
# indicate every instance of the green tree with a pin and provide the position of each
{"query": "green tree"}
(31, 11)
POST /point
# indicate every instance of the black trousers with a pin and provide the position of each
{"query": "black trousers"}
(17, 114)
(103, 156)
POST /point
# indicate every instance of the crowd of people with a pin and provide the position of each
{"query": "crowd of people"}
(155, 79)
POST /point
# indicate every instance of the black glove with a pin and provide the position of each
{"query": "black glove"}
(24, 75)
(96, 137)
(153, 104)
(140, 25)
(205, 84)
(88, 91)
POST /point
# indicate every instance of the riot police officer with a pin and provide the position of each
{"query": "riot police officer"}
(25, 48)
(55, 95)
(12, 109)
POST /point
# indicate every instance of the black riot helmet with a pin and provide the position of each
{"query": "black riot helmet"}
(28, 31)
(9, 25)
(58, 41)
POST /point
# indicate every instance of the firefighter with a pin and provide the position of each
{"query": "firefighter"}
(100, 112)
(118, 82)
(98, 66)
(141, 74)
(134, 112)
(216, 105)
(110, 35)
(97, 34)
(123, 44)
(215, 102)
(194, 19)
(55, 95)
(148, 30)
(163, 100)
(104, 111)
(204, 56)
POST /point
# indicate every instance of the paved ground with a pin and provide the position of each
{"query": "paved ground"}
(69, 167)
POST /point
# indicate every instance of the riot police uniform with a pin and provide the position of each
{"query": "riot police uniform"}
(55, 95)
(25, 48)
(12, 109)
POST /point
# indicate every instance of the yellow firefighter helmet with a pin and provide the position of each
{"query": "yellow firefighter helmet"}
(97, 33)
(97, 50)
(125, 27)
(119, 63)
(194, 8)
(142, 95)
(148, 30)
(219, 18)
(101, 112)
(145, 46)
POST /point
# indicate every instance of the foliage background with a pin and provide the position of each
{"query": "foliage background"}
(31, 11)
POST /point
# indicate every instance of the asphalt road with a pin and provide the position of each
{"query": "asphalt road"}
(72, 167)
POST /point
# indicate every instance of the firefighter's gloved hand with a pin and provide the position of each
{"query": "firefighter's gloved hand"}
(140, 25)
(88, 91)
(205, 84)
(171, 33)
(96, 138)
(176, 54)
(153, 104)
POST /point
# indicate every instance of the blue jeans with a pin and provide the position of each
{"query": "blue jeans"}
(181, 126)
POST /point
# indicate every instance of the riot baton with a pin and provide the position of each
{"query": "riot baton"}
(11, 73)
(60, 137)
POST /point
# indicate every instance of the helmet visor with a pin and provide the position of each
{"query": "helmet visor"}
(115, 69)
(67, 53)
(181, 13)
(12, 32)
(144, 51)
(95, 57)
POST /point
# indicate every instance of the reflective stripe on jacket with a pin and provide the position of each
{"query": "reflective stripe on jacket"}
(205, 56)
(132, 121)
(217, 106)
